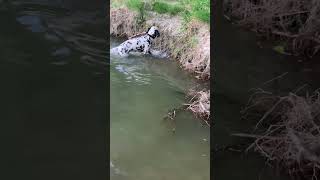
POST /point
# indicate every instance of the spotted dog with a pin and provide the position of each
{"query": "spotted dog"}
(140, 43)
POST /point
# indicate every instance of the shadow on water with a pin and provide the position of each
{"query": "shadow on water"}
(53, 74)
(240, 66)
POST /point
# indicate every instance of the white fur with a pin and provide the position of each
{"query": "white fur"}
(140, 44)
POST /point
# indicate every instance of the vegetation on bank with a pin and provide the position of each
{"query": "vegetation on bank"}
(293, 23)
(288, 131)
(200, 104)
(188, 9)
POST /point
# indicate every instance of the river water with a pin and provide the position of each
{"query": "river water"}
(54, 72)
(143, 146)
(240, 65)
(53, 89)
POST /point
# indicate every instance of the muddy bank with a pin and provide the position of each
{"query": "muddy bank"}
(189, 44)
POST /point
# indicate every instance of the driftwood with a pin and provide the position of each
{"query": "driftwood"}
(171, 115)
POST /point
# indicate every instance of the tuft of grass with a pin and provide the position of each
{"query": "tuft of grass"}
(201, 10)
(163, 7)
(137, 5)
(198, 9)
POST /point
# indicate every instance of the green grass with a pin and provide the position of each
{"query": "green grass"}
(188, 9)
(198, 9)
(135, 4)
(139, 6)
(163, 7)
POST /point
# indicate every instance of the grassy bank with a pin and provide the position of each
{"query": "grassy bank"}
(188, 9)
(294, 24)
(188, 43)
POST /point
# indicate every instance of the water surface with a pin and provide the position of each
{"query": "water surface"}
(53, 89)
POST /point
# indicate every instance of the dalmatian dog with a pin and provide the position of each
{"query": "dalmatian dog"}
(140, 43)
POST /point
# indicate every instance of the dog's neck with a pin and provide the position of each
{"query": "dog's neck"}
(154, 36)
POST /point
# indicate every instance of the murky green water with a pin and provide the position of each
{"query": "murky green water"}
(142, 145)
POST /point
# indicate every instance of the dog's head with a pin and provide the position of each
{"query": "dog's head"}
(153, 32)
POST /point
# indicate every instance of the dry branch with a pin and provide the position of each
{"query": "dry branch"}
(288, 131)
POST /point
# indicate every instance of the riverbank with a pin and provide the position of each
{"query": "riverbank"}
(284, 115)
(293, 25)
(189, 44)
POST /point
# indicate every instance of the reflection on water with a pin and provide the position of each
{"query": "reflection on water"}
(62, 27)
(142, 146)
(33, 23)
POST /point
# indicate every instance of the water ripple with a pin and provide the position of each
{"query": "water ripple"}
(71, 31)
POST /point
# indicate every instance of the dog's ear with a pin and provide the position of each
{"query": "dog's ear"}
(148, 30)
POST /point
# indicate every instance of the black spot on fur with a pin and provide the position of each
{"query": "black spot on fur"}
(140, 48)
